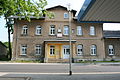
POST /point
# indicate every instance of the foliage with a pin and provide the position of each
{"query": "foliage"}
(22, 8)
(7, 44)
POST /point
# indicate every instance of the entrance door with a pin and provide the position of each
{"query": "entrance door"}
(66, 51)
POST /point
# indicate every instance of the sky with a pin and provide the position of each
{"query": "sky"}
(75, 4)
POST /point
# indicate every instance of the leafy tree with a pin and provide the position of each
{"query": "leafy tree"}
(21, 8)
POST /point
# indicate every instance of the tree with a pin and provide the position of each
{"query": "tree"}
(21, 8)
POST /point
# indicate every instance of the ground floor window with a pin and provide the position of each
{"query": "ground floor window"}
(38, 49)
(79, 49)
(93, 50)
(52, 50)
(110, 50)
(23, 49)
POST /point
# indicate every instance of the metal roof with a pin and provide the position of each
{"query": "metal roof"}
(102, 11)
(111, 34)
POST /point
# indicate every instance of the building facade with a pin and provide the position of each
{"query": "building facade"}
(112, 45)
(48, 39)
(3, 51)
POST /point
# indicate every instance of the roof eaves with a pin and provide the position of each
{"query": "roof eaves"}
(3, 44)
(85, 8)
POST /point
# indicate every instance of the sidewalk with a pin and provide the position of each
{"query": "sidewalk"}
(96, 63)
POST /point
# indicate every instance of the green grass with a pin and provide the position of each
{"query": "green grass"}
(26, 61)
(96, 61)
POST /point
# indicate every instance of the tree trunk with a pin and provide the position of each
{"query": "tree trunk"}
(9, 42)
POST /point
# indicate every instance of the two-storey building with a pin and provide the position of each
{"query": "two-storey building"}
(48, 39)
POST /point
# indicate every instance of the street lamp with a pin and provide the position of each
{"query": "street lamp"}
(70, 56)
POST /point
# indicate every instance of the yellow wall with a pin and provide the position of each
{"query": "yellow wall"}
(58, 51)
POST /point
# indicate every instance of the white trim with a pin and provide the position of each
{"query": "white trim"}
(66, 30)
(38, 28)
(79, 30)
(92, 30)
(111, 47)
(53, 29)
(24, 30)
(80, 46)
(25, 47)
(92, 48)
(66, 15)
(40, 47)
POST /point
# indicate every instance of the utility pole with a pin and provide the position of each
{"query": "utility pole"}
(70, 55)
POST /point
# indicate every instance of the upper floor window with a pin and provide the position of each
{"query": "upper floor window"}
(66, 30)
(52, 30)
(38, 49)
(110, 50)
(93, 50)
(38, 30)
(92, 30)
(79, 30)
(25, 30)
(52, 50)
(66, 15)
(79, 49)
(23, 49)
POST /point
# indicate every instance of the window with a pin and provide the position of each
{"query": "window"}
(23, 49)
(25, 30)
(66, 15)
(93, 50)
(38, 30)
(110, 50)
(38, 49)
(66, 30)
(79, 49)
(79, 30)
(92, 30)
(52, 50)
(52, 30)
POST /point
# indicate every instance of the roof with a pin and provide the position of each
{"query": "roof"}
(111, 34)
(3, 44)
(100, 11)
(59, 6)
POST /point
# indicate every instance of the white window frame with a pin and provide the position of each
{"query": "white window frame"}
(92, 30)
(93, 50)
(110, 50)
(52, 50)
(79, 49)
(23, 50)
(66, 30)
(79, 30)
(24, 30)
(66, 15)
(38, 49)
(38, 30)
(52, 30)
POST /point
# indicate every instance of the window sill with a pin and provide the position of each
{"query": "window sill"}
(52, 35)
(65, 35)
(37, 54)
(79, 35)
(38, 34)
(93, 55)
(23, 54)
(24, 34)
(92, 35)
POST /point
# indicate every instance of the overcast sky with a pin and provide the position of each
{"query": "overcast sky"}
(75, 4)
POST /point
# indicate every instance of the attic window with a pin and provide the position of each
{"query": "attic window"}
(66, 16)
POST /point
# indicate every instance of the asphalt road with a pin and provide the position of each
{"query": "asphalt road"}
(56, 68)
(60, 71)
